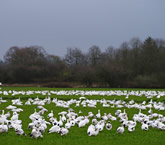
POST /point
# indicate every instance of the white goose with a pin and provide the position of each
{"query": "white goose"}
(98, 115)
(108, 126)
(120, 130)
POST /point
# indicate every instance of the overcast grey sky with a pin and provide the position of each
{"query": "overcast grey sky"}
(59, 24)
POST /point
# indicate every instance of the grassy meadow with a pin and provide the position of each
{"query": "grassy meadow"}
(78, 136)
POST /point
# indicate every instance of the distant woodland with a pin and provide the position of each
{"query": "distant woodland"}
(134, 64)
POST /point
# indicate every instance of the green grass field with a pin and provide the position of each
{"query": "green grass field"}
(78, 136)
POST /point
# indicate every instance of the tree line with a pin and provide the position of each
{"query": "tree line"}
(134, 64)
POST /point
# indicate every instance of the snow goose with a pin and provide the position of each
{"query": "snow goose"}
(90, 114)
(82, 123)
(17, 110)
(144, 126)
(120, 129)
(15, 116)
(92, 131)
(98, 115)
(3, 128)
(63, 118)
(36, 133)
(68, 124)
(113, 118)
(100, 125)
(94, 121)
(72, 122)
(54, 128)
(60, 123)
(108, 125)
(91, 128)
(117, 112)
(131, 128)
(19, 131)
(10, 107)
(63, 131)
(50, 115)
(105, 117)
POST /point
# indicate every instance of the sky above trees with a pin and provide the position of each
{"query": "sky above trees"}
(59, 24)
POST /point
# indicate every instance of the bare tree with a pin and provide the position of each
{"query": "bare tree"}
(94, 55)
(74, 57)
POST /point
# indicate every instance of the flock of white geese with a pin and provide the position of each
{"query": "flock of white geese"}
(9, 117)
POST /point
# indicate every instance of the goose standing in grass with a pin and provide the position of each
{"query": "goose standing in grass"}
(53, 120)
(113, 118)
(36, 133)
(105, 117)
(42, 111)
(68, 124)
(94, 121)
(144, 126)
(19, 131)
(3, 128)
(131, 128)
(150, 111)
(117, 112)
(15, 124)
(3, 117)
(15, 116)
(100, 125)
(28, 102)
(60, 123)
(63, 118)
(7, 115)
(84, 122)
(120, 129)
(90, 114)
(98, 115)
(72, 122)
(92, 130)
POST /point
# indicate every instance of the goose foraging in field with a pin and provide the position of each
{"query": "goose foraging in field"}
(36, 133)
(94, 121)
(92, 131)
(3, 128)
(120, 130)
(100, 125)
(54, 128)
(15, 116)
(144, 126)
(63, 131)
(19, 131)
(90, 114)
(82, 123)
(50, 115)
(131, 128)
(105, 117)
